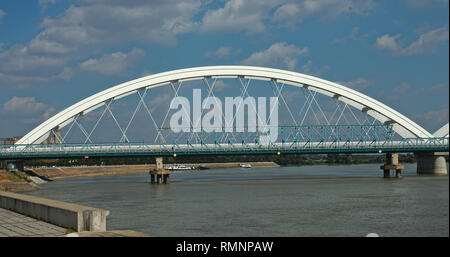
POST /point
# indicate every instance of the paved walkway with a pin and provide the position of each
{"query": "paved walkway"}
(112, 233)
(13, 224)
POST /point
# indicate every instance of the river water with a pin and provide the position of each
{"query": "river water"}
(343, 200)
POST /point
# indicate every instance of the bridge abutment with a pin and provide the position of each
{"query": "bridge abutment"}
(392, 164)
(11, 165)
(159, 175)
(431, 163)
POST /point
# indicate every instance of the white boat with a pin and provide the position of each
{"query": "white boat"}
(245, 165)
(179, 167)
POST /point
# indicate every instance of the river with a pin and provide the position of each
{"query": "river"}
(342, 200)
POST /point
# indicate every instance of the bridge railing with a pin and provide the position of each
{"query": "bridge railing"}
(291, 139)
(67, 150)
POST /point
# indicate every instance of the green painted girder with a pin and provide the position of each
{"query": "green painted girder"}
(292, 139)
(251, 152)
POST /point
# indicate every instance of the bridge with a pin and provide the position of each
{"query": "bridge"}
(353, 123)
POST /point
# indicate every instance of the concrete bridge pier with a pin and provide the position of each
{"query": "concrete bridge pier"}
(431, 163)
(392, 164)
(152, 178)
(166, 178)
(159, 175)
(158, 179)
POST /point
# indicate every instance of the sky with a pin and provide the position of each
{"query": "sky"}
(54, 53)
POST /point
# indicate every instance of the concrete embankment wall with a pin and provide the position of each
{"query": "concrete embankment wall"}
(67, 215)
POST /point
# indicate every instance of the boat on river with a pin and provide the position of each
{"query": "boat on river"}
(178, 167)
(245, 165)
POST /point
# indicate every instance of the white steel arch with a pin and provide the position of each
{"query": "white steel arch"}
(402, 125)
(442, 132)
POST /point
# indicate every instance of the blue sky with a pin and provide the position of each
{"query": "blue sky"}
(54, 53)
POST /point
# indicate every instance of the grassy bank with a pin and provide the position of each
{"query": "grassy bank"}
(16, 181)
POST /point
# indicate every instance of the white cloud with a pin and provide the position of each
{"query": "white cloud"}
(21, 69)
(113, 22)
(113, 64)
(26, 81)
(2, 14)
(66, 74)
(220, 86)
(146, 73)
(278, 55)
(354, 35)
(426, 42)
(388, 42)
(358, 84)
(18, 60)
(308, 69)
(334, 8)
(27, 108)
(221, 53)
(403, 88)
(87, 28)
(287, 11)
(23, 105)
(92, 25)
(398, 92)
(252, 16)
(296, 11)
(238, 16)
(422, 3)
(19, 82)
(156, 103)
(44, 3)
(432, 120)
(439, 88)
(292, 96)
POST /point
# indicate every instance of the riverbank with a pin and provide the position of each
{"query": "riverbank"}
(119, 170)
(32, 177)
(16, 181)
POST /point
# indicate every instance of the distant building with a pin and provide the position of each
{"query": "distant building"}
(54, 138)
(11, 140)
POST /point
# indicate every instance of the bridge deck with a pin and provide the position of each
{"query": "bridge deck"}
(137, 149)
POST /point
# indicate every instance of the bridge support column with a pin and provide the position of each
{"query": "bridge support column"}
(159, 175)
(158, 179)
(398, 173)
(392, 164)
(166, 178)
(431, 163)
(152, 178)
